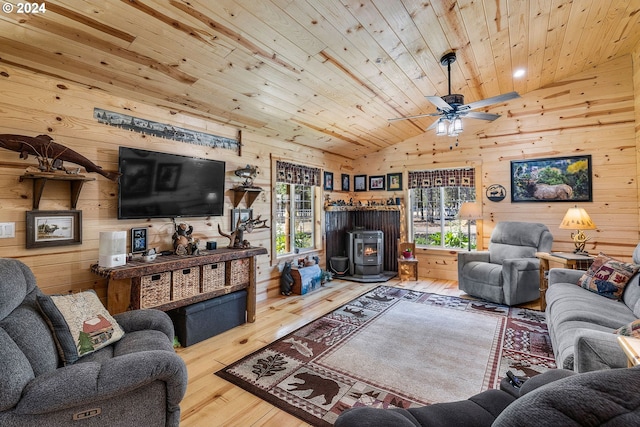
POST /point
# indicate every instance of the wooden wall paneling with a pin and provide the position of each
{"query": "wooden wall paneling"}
(37, 104)
(590, 113)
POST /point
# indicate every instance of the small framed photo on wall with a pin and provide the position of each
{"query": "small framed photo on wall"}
(240, 214)
(346, 182)
(360, 182)
(394, 181)
(376, 182)
(138, 240)
(328, 181)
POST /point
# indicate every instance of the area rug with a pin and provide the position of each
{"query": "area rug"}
(394, 347)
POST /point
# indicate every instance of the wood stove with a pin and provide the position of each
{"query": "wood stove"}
(365, 250)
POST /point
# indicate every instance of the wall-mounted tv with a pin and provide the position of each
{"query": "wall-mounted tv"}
(163, 185)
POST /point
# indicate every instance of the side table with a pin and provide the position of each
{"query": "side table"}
(566, 260)
(631, 347)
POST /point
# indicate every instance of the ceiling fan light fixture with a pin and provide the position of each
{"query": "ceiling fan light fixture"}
(452, 131)
(441, 128)
(457, 125)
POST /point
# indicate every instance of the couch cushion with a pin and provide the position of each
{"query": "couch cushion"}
(568, 302)
(28, 329)
(17, 282)
(15, 372)
(608, 276)
(80, 324)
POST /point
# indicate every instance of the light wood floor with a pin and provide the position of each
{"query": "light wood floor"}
(211, 401)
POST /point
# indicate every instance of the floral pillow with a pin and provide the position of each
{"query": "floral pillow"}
(608, 276)
(80, 324)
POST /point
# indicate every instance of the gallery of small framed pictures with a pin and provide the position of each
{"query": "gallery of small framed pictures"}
(389, 182)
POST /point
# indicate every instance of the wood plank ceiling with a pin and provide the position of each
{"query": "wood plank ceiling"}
(319, 73)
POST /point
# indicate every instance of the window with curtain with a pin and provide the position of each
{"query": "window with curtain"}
(295, 207)
(435, 198)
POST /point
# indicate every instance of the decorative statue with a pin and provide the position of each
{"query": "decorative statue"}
(249, 173)
(236, 238)
(183, 242)
(50, 154)
(286, 280)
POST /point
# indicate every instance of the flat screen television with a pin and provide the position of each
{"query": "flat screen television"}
(163, 185)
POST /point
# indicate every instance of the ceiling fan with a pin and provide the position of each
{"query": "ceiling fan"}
(451, 108)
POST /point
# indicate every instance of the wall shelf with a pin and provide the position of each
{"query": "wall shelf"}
(250, 192)
(41, 178)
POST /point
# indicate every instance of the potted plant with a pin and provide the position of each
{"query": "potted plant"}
(407, 253)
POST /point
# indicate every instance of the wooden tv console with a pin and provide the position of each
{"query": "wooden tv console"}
(125, 283)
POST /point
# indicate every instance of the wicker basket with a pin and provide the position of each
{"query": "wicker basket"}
(155, 290)
(238, 273)
(213, 277)
(185, 283)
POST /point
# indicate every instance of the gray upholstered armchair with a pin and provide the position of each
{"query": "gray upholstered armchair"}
(136, 381)
(509, 272)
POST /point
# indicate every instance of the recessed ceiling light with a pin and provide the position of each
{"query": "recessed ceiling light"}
(519, 73)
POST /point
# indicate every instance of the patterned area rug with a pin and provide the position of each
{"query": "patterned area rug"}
(394, 347)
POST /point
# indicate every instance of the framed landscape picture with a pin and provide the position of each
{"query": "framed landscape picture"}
(53, 228)
(556, 179)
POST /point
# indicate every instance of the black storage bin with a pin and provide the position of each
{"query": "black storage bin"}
(202, 320)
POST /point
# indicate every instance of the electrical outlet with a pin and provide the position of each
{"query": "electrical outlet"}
(7, 230)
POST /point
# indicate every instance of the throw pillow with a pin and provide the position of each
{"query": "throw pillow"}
(630, 330)
(608, 276)
(80, 324)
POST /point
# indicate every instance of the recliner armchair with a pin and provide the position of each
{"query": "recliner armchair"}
(138, 380)
(509, 272)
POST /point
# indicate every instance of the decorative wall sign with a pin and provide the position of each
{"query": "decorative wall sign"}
(496, 192)
(162, 130)
(557, 179)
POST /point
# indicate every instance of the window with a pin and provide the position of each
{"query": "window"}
(296, 208)
(435, 199)
(295, 218)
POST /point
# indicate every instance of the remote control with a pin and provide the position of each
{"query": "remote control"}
(517, 382)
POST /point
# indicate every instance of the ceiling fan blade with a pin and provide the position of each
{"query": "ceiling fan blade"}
(488, 101)
(439, 102)
(413, 117)
(481, 116)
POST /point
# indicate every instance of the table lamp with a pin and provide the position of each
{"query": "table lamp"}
(578, 219)
(470, 211)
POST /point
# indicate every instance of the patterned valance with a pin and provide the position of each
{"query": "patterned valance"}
(443, 178)
(291, 173)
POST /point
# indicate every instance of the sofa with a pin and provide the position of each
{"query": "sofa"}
(582, 323)
(96, 381)
(556, 397)
(509, 272)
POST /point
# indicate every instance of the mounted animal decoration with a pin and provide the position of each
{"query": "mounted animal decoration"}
(236, 238)
(50, 154)
(249, 173)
